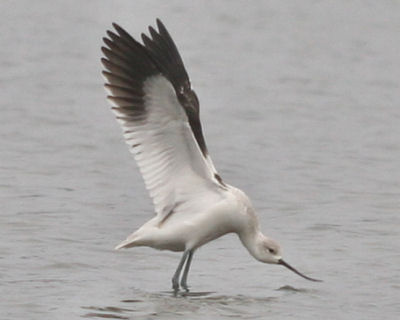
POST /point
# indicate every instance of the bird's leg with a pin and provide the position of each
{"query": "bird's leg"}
(175, 278)
(186, 271)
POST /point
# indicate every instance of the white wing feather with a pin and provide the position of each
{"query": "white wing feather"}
(174, 170)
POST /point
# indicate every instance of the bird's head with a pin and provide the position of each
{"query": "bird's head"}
(268, 251)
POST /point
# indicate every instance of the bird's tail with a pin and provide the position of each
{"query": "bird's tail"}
(129, 242)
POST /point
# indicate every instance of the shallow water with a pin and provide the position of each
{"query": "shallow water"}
(300, 105)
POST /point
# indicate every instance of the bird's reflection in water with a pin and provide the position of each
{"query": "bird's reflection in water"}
(182, 304)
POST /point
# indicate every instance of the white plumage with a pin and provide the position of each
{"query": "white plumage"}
(166, 151)
(159, 114)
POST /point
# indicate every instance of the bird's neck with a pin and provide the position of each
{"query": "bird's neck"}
(247, 225)
(249, 239)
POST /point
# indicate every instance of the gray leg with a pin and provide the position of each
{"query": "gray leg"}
(175, 278)
(186, 271)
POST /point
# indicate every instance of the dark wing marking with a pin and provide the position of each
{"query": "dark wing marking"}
(165, 54)
(130, 64)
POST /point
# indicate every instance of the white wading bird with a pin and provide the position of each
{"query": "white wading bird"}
(159, 113)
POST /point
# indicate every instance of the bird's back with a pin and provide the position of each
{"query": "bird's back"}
(187, 230)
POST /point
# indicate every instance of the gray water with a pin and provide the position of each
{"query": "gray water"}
(301, 109)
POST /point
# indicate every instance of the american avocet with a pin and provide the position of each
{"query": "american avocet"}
(159, 113)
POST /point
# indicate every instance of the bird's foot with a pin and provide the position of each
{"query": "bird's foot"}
(184, 286)
(175, 285)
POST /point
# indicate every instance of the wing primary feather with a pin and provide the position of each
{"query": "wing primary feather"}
(152, 99)
(118, 80)
(123, 91)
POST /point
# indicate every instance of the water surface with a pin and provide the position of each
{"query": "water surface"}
(300, 104)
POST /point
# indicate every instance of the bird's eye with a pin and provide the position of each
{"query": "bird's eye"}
(271, 251)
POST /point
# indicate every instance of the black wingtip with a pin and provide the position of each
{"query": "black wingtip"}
(145, 38)
(122, 33)
(108, 42)
(160, 25)
(104, 61)
(116, 26)
(153, 32)
(105, 50)
(105, 40)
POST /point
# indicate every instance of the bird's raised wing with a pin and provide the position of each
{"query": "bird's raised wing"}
(159, 113)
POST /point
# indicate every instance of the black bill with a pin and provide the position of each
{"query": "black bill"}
(282, 262)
